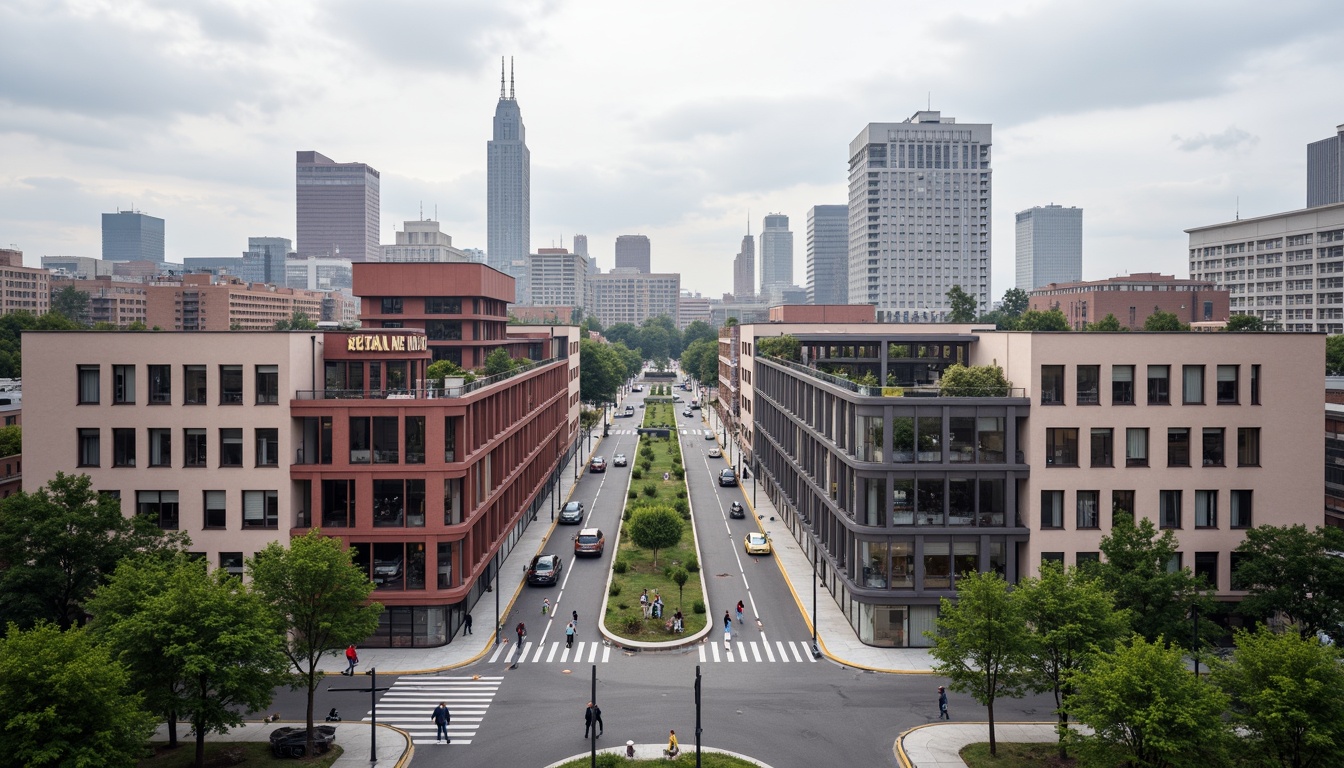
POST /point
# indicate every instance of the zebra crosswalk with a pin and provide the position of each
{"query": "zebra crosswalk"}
(760, 651)
(682, 430)
(583, 652)
(411, 700)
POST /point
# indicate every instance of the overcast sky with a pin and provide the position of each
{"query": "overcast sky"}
(669, 119)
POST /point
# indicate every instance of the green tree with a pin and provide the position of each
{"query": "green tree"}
(68, 702)
(1036, 320)
(679, 577)
(1107, 323)
(1147, 710)
(138, 325)
(1164, 321)
(626, 333)
(655, 342)
(1295, 571)
(12, 327)
(784, 346)
(442, 369)
(1239, 323)
(299, 321)
(321, 598)
(11, 440)
(72, 304)
(1287, 695)
(1160, 601)
(59, 543)
(1070, 618)
(1015, 302)
(973, 381)
(600, 372)
(1334, 355)
(669, 328)
(701, 360)
(655, 528)
(697, 331)
(498, 362)
(982, 644)
(964, 307)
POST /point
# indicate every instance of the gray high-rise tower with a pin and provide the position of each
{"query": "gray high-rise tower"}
(1325, 174)
(337, 206)
(828, 254)
(634, 252)
(744, 269)
(921, 195)
(132, 236)
(508, 185)
(1049, 246)
(776, 254)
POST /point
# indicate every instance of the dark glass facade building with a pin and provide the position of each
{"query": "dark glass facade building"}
(132, 236)
(338, 208)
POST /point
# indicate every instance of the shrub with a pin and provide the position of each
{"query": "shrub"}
(650, 490)
(615, 590)
(626, 514)
(646, 465)
(681, 493)
(681, 506)
(636, 473)
(620, 566)
(631, 494)
(679, 473)
(692, 564)
(634, 624)
(698, 606)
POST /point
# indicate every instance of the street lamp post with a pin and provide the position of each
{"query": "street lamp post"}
(373, 690)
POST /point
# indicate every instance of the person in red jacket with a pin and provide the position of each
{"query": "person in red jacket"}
(351, 657)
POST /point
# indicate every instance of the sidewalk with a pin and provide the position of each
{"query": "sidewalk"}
(352, 737)
(937, 745)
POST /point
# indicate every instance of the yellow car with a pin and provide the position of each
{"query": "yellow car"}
(757, 544)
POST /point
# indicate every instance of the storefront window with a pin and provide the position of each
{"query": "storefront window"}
(876, 562)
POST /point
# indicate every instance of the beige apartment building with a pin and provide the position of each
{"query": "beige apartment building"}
(632, 297)
(210, 303)
(23, 289)
(119, 302)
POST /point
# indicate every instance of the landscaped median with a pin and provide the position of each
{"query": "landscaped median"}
(656, 548)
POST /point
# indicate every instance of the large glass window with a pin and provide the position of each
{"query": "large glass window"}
(1206, 567)
(160, 447)
(930, 500)
(1122, 385)
(1248, 446)
(1103, 447)
(123, 446)
(1061, 447)
(1052, 509)
(391, 305)
(450, 438)
(338, 503)
(89, 448)
(930, 439)
(903, 439)
(415, 439)
(88, 384)
(1089, 514)
(1255, 385)
(991, 439)
(992, 501)
(1052, 385)
(1159, 385)
(961, 501)
(1206, 509)
(1213, 446)
(361, 441)
(216, 511)
(261, 509)
(159, 506)
(123, 384)
(160, 384)
(1227, 384)
(386, 440)
(452, 501)
(1122, 503)
(193, 384)
(1241, 509)
(443, 305)
(1178, 446)
(961, 438)
(1169, 509)
(1192, 387)
(268, 447)
(193, 447)
(937, 564)
(268, 384)
(231, 447)
(443, 330)
(903, 502)
(1136, 447)
(1089, 384)
(445, 564)
(231, 384)
(965, 558)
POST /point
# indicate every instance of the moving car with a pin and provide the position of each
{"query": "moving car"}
(727, 477)
(709, 435)
(292, 740)
(687, 413)
(757, 543)
(736, 510)
(695, 406)
(715, 453)
(637, 388)
(545, 569)
(590, 541)
(598, 464)
(572, 513)
(618, 460)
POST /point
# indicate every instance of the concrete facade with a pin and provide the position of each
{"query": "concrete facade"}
(557, 278)
(423, 241)
(628, 297)
(828, 254)
(1049, 246)
(338, 207)
(26, 289)
(1132, 299)
(132, 236)
(206, 303)
(111, 301)
(634, 252)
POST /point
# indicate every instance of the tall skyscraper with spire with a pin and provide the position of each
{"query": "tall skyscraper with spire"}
(744, 267)
(509, 192)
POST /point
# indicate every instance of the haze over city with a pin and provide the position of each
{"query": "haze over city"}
(670, 120)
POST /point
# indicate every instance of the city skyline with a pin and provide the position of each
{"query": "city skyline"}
(199, 127)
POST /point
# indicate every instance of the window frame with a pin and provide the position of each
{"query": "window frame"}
(88, 446)
(1107, 455)
(210, 513)
(1052, 393)
(227, 373)
(1227, 395)
(1083, 397)
(192, 394)
(1192, 393)
(123, 454)
(1241, 508)
(1081, 518)
(1055, 506)
(199, 447)
(1174, 447)
(123, 384)
(1057, 442)
(267, 379)
(266, 442)
(1131, 458)
(1248, 446)
(154, 436)
(1159, 387)
(263, 506)
(85, 376)
(159, 378)
(1117, 385)
(1169, 510)
(1219, 460)
(1206, 509)
(228, 438)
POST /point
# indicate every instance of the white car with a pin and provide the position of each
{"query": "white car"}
(715, 453)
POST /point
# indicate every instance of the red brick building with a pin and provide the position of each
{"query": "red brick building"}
(1132, 298)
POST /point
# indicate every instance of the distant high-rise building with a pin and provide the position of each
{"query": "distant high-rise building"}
(828, 254)
(557, 278)
(744, 269)
(1049, 246)
(264, 260)
(924, 186)
(632, 297)
(422, 241)
(338, 206)
(132, 236)
(581, 245)
(1325, 174)
(508, 185)
(81, 267)
(776, 252)
(635, 252)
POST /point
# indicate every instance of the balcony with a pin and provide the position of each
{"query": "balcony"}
(917, 390)
(421, 393)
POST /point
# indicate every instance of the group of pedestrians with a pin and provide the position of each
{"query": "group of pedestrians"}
(652, 607)
(728, 623)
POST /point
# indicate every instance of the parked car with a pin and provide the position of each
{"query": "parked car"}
(598, 464)
(637, 388)
(736, 510)
(757, 543)
(386, 570)
(619, 460)
(715, 453)
(727, 477)
(545, 570)
(709, 435)
(695, 406)
(572, 513)
(590, 541)
(292, 740)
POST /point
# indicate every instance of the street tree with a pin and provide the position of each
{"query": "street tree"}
(1146, 709)
(1164, 321)
(630, 359)
(679, 577)
(299, 321)
(62, 541)
(1107, 323)
(68, 702)
(1036, 320)
(1334, 354)
(1071, 618)
(11, 440)
(1015, 302)
(322, 600)
(981, 643)
(1160, 601)
(655, 528)
(973, 381)
(964, 306)
(695, 356)
(697, 331)
(600, 372)
(1295, 571)
(1242, 323)
(72, 304)
(1287, 697)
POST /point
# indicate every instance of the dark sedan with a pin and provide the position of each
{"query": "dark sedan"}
(572, 514)
(545, 570)
(292, 741)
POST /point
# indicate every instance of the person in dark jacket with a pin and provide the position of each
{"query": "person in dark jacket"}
(942, 704)
(467, 623)
(442, 717)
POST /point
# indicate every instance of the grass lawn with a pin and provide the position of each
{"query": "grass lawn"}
(226, 753)
(1015, 755)
(624, 617)
(685, 760)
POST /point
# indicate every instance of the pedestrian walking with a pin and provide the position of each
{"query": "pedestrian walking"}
(673, 748)
(569, 635)
(588, 720)
(441, 718)
(728, 637)
(575, 617)
(468, 623)
(545, 606)
(352, 657)
(740, 606)
(942, 704)
(521, 629)
(727, 621)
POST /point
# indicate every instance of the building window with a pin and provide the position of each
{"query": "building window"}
(937, 564)
(1206, 509)
(160, 447)
(268, 447)
(442, 305)
(1255, 385)
(1248, 446)
(88, 385)
(1086, 559)
(1192, 385)
(386, 441)
(1178, 446)
(1122, 385)
(1053, 557)
(415, 439)
(193, 384)
(123, 446)
(261, 509)
(399, 503)
(338, 503)
(445, 565)
(393, 324)
(1213, 446)
(1169, 509)
(1235, 560)
(1052, 509)
(392, 306)
(1089, 516)
(1089, 384)
(230, 385)
(360, 451)
(89, 450)
(193, 448)
(1122, 503)
(1136, 447)
(1227, 384)
(1103, 447)
(160, 384)
(268, 384)
(1061, 447)
(1052, 385)
(1241, 509)
(232, 562)
(231, 447)
(1206, 566)
(123, 384)
(159, 506)
(216, 511)
(1159, 385)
